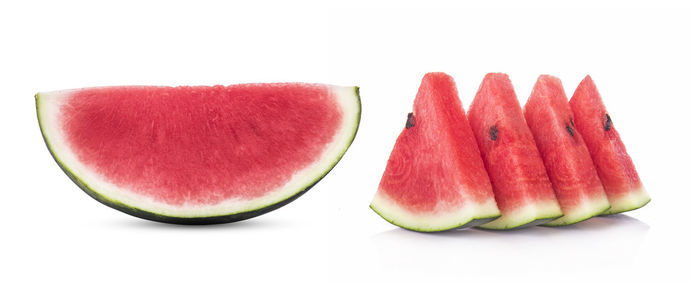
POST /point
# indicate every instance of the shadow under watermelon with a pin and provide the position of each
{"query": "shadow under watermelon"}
(601, 242)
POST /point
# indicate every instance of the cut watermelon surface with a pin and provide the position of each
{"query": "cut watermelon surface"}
(622, 185)
(522, 189)
(198, 155)
(435, 179)
(569, 166)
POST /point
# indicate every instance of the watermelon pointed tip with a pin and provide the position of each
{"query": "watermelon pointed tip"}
(546, 86)
(436, 73)
(496, 75)
(587, 82)
(432, 78)
(548, 78)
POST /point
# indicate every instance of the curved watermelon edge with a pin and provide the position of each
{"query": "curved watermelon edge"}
(140, 213)
(534, 222)
(545, 213)
(631, 202)
(475, 221)
(593, 209)
(472, 221)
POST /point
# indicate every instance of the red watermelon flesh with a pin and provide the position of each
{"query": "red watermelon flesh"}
(615, 168)
(435, 179)
(523, 191)
(198, 154)
(569, 166)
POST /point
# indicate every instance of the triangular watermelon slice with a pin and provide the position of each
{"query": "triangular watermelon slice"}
(198, 155)
(520, 183)
(435, 179)
(569, 166)
(615, 168)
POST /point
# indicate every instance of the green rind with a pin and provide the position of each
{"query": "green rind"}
(626, 209)
(543, 212)
(533, 222)
(225, 218)
(556, 222)
(469, 223)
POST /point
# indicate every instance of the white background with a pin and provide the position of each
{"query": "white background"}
(643, 57)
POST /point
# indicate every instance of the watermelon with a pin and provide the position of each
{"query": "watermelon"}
(201, 154)
(435, 179)
(569, 166)
(615, 168)
(522, 189)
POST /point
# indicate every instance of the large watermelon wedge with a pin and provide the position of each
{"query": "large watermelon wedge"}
(615, 168)
(520, 183)
(435, 179)
(198, 155)
(569, 166)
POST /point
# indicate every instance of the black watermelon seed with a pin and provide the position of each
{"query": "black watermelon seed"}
(608, 122)
(570, 129)
(410, 121)
(493, 132)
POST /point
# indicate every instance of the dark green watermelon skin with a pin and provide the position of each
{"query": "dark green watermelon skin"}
(225, 218)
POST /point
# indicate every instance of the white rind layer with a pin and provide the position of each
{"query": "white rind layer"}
(49, 106)
(631, 201)
(587, 209)
(527, 214)
(441, 220)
